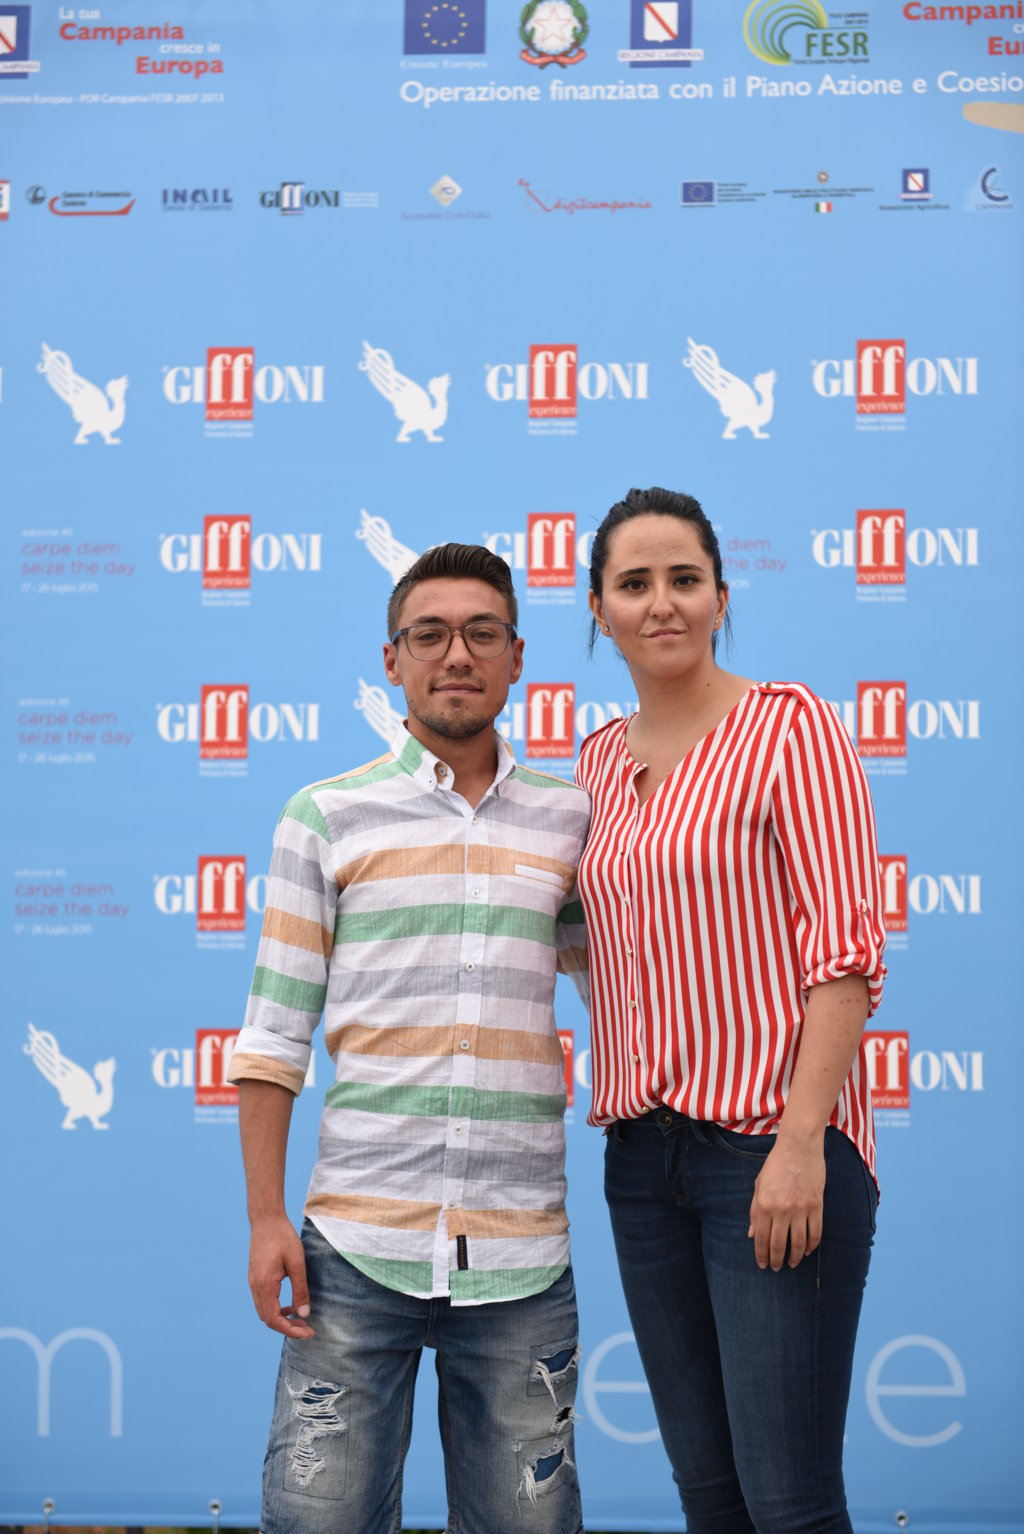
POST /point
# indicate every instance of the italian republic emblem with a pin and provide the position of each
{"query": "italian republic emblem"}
(554, 32)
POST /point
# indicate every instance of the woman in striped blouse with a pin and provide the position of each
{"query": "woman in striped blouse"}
(733, 903)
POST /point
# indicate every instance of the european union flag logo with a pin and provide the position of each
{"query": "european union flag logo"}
(698, 194)
(444, 26)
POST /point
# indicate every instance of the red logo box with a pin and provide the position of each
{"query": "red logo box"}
(213, 1056)
(893, 870)
(229, 380)
(220, 906)
(552, 381)
(550, 719)
(882, 718)
(881, 377)
(881, 548)
(226, 553)
(551, 549)
(888, 1060)
(224, 722)
(566, 1039)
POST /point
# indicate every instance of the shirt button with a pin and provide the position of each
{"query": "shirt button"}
(629, 952)
(474, 820)
(475, 894)
(441, 770)
(632, 1004)
(458, 1129)
(464, 1044)
(471, 966)
(451, 1206)
(636, 1061)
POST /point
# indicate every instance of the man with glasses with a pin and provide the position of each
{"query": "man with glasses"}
(422, 903)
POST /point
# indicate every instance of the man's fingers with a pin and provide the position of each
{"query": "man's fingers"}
(797, 1242)
(300, 1288)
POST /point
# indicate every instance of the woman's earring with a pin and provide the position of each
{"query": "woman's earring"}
(605, 629)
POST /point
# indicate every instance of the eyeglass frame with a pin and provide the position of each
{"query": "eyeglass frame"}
(459, 628)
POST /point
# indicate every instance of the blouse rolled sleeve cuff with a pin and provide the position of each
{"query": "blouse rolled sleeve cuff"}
(862, 957)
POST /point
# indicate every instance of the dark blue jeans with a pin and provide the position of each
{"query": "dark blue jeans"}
(749, 1370)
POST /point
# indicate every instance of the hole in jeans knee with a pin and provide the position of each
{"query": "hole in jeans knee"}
(554, 1369)
(315, 1407)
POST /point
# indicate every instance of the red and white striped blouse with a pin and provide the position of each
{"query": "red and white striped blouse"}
(748, 876)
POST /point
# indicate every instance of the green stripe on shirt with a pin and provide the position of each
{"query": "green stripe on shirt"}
(286, 991)
(403, 922)
(447, 1102)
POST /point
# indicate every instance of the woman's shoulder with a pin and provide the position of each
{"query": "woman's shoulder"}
(799, 692)
(598, 747)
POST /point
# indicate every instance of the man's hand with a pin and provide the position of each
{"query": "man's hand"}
(787, 1203)
(275, 1254)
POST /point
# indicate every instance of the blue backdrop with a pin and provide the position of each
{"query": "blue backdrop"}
(294, 291)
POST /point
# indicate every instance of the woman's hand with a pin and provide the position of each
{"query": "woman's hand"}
(787, 1203)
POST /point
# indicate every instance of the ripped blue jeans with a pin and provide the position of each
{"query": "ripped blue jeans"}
(343, 1411)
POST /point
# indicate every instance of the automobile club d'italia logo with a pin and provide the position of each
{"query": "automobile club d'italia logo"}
(554, 32)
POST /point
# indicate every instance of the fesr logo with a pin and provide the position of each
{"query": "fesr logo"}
(223, 723)
(926, 894)
(551, 721)
(552, 382)
(226, 553)
(230, 385)
(217, 894)
(880, 547)
(893, 1070)
(880, 377)
(880, 719)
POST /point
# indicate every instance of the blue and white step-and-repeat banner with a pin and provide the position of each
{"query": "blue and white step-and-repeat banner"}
(293, 291)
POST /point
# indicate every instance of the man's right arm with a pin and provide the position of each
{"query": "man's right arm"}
(272, 1052)
(275, 1251)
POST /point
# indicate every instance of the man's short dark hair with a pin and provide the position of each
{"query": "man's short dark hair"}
(455, 561)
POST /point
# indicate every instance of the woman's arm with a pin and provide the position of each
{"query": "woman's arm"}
(788, 1195)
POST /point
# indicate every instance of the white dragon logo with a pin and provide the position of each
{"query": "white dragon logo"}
(84, 1096)
(417, 408)
(94, 410)
(738, 402)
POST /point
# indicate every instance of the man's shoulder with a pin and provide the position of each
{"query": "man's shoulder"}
(310, 804)
(545, 782)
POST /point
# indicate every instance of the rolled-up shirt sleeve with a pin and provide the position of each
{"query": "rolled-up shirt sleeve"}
(289, 985)
(824, 822)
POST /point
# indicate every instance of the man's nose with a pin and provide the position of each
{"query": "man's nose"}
(459, 655)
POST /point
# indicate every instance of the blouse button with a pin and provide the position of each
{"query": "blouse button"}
(632, 1004)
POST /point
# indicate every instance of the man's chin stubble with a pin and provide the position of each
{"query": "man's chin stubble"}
(455, 726)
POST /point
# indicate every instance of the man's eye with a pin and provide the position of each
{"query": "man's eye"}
(483, 633)
(428, 636)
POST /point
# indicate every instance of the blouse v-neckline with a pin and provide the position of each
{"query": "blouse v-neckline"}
(635, 767)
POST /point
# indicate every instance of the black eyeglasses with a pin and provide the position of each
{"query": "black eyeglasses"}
(432, 641)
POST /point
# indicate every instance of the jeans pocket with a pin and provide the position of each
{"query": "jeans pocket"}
(749, 1147)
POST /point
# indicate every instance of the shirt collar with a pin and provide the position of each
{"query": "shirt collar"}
(413, 756)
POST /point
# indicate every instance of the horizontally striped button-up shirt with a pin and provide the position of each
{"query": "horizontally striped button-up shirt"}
(748, 876)
(427, 932)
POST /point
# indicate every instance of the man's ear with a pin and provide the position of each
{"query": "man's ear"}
(391, 667)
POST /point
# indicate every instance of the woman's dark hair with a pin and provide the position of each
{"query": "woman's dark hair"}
(658, 503)
(459, 561)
